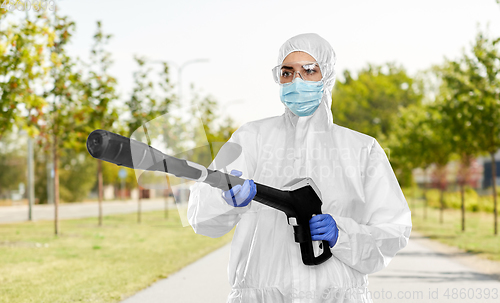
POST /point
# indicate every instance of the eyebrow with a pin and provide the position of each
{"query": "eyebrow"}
(315, 64)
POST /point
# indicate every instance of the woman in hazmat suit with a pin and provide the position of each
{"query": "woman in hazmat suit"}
(365, 216)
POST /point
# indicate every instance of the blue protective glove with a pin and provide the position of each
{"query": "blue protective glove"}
(324, 227)
(240, 196)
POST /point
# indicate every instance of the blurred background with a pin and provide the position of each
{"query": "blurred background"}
(423, 78)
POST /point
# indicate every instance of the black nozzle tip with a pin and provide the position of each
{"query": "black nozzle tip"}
(96, 143)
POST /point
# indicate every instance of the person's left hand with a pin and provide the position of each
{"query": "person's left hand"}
(324, 227)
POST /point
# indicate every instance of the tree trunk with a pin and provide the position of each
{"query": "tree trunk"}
(31, 179)
(139, 205)
(425, 209)
(56, 187)
(425, 193)
(442, 188)
(462, 194)
(494, 181)
(414, 199)
(99, 189)
(167, 196)
(441, 200)
(462, 177)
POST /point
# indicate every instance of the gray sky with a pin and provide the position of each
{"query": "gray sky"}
(241, 38)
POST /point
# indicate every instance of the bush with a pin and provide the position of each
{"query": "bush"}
(413, 192)
(473, 202)
(432, 196)
(77, 176)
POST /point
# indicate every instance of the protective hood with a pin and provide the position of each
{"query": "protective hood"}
(321, 51)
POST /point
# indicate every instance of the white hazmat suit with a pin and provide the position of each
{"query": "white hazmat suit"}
(358, 188)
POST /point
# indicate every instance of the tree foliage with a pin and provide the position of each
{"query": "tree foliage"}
(214, 132)
(67, 107)
(419, 139)
(22, 66)
(148, 99)
(367, 103)
(100, 87)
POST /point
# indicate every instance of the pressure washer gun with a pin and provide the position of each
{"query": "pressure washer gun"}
(299, 199)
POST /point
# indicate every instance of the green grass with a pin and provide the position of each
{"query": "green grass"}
(87, 263)
(478, 237)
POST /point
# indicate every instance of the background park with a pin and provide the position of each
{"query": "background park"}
(439, 123)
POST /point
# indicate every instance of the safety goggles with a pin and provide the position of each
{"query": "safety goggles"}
(307, 70)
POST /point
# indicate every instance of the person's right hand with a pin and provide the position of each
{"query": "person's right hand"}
(240, 196)
(324, 227)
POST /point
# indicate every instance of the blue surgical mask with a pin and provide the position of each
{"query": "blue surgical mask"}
(302, 97)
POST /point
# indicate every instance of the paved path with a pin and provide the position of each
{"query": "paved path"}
(204, 281)
(425, 271)
(10, 214)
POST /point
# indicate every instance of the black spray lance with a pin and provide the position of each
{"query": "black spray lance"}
(299, 199)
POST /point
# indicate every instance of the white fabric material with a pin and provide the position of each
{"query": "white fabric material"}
(358, 187)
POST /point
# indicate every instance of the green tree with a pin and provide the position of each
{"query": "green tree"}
(100, 92)
(21, 66)
(482, 80)
(419, 139)
(462, 117)
(63, 92)
(22, 62)
(148, 101)
(369, 102)
(470, 103)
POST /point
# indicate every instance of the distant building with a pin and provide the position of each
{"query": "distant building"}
(487, 179)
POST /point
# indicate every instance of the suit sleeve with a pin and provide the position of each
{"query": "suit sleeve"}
(208, 212)
(369, 243)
